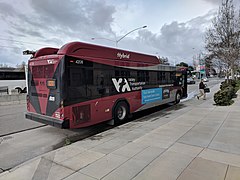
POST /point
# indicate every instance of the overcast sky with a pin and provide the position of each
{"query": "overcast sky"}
(175, 28)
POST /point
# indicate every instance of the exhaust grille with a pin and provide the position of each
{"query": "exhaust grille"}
(81, 114)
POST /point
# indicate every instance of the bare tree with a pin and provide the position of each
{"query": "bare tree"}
(21, 66)
(223, 37)
(163, 60)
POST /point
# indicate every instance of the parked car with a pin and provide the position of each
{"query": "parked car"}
(190, 81)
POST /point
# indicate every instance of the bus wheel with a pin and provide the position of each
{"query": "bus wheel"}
(177, 98)
(121, 112)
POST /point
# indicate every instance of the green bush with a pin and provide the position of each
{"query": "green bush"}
(223, 85)
(237, 85)
(234, 83)
(223, 97)
(230, 82)
(227, 91)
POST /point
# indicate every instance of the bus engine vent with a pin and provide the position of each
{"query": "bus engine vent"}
(81, 114)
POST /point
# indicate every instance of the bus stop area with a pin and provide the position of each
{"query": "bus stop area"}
(192, 140)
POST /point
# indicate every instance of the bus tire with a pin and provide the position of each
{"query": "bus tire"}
(177, 97)
(121, 112)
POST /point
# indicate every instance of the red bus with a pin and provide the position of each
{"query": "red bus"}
(83, 84)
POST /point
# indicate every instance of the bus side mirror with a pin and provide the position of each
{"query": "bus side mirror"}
(28, 52)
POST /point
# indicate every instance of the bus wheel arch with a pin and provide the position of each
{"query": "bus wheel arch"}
(121, 111)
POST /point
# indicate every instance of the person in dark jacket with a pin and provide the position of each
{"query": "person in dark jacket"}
(201, 90)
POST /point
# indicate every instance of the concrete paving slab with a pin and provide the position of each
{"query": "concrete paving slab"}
(234, 115)
(227, 140)
(199, 135)
(206, 104)
(198, 112)
(211, 122)
(66, 152)
(185, 149)
(183, 122)
(149, 154)
(90, 142)
(200, 169)
(127, 171)
(59, 172)
(132, 135)
(157, 122)
(154, 141)
(164, 136)
(79, 176)
(129, 150)
(216, 114)
(167, 166)
(222, 109)
(233, 173)
(221, 157)
(232, 123)
(171, 131)
(110, 146)
(235, 107)
(25, 172)
(186, 120)
(101, 138)
(44, 167)
(103, 166)
(81, 160)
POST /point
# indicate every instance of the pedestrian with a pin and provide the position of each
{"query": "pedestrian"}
(201, 90)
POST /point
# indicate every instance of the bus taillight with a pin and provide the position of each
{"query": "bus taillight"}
(51, 84)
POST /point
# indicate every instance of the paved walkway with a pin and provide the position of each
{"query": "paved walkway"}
(194, 140)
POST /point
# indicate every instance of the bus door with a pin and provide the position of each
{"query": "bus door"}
(182, 81)
(184, 84)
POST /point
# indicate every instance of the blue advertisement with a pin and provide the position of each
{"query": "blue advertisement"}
(151, 95)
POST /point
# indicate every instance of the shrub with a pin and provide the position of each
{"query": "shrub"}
(237, 85)
(233, 83)
(223, 85)
(227, 91)
(223, 97)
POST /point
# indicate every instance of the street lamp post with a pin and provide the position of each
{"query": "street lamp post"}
(129, 33)
(117, 41)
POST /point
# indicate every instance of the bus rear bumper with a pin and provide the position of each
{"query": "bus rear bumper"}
(64, 124)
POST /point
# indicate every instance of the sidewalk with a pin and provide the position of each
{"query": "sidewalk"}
(194, 140)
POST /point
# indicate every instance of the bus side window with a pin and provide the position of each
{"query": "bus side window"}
(143, 76)
(89, 77)
(76, 77)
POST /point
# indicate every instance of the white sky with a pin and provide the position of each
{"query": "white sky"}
(175, 28)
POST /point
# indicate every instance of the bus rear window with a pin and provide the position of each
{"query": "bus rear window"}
(44, 71)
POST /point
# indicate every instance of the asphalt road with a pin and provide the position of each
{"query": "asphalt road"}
(12, 119)
(22, 139)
